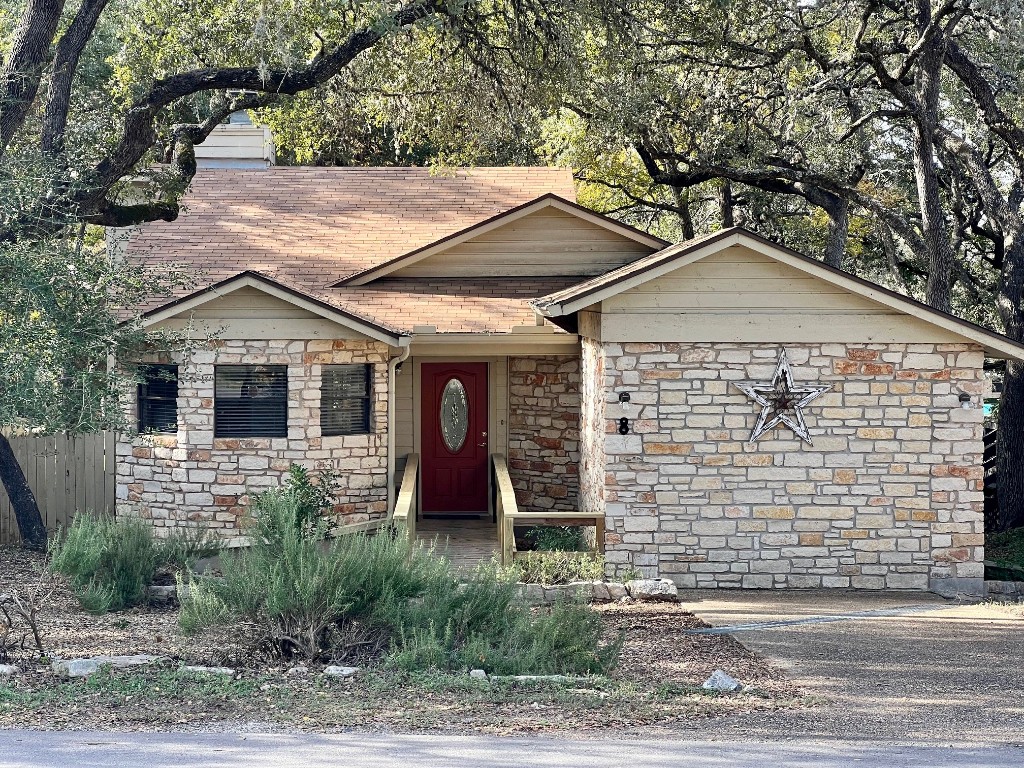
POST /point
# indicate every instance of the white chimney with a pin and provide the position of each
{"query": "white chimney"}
(237, 143)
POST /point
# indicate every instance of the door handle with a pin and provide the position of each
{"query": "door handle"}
(481, 445)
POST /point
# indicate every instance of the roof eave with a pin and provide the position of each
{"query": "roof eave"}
(566, 302)
(367, 327)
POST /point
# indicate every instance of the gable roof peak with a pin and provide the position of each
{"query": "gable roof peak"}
(616, 281)
(549, 199)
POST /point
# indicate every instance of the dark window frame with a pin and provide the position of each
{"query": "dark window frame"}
(329, 396)
(263, 415)
(146, 399)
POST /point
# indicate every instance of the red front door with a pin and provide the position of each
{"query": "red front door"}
(454, 443)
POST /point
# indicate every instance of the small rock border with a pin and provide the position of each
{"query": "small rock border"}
(1004, 590)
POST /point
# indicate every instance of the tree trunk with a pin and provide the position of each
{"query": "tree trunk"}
(682, 195)
(1010, 448)
(838, 210)
(1010, 432)
(939, 251)
(726, 204)
(23, 500)
(938, 289)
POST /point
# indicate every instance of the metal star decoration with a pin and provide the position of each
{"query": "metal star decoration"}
(782, 402)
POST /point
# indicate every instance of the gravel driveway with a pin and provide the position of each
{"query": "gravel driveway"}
(930, 672)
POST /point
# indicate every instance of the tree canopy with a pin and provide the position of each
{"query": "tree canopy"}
(885, 137)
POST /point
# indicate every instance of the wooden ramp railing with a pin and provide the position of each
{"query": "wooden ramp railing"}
(404, 518)
(509, 515)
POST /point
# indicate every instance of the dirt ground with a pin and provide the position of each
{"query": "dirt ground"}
(922, 670)
(655, 687)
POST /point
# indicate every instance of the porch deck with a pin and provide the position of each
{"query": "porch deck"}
(465, 542)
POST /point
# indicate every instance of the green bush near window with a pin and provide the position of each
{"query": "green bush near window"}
(379, 596)
(311, 499)
(111, 563)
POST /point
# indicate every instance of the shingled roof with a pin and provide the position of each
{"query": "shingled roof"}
(311, 227)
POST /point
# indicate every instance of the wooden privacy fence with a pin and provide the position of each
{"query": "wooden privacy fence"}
(67, 475)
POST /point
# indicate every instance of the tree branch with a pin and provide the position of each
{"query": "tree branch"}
(65, 64)
(23, 68)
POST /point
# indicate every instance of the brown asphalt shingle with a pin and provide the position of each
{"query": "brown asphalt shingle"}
(310, 227)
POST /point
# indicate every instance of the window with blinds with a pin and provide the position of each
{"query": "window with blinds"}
(158, 399)
(250, 401)
(345, 400)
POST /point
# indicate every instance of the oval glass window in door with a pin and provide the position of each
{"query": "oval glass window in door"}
(454, 415)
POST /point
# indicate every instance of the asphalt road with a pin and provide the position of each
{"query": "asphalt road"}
(35, 749)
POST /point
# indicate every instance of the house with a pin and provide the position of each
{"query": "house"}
(736, 414)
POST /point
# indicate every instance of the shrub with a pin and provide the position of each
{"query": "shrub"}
(310, 500)
(111, 563)
(557, 538)
(303, 594)
(315, 599)
(563, 639)
(556, 567)
(184, 546)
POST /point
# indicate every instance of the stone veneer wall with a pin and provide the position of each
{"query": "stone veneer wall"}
(889, 495)
(543, 431)
(193, 477)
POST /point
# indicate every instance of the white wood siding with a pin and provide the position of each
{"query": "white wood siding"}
(249, 313)
(549, 242)
(743, 296)
(405, 438)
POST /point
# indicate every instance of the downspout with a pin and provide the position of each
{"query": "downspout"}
(392, 373)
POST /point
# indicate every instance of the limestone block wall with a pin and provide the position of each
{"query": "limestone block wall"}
(543, 431)
(192, 477)
(888, 496)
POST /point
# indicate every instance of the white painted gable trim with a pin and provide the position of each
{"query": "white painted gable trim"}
(343, 319)
(995, 344)
(465, 235)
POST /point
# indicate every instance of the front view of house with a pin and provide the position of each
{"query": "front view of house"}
(737, 414)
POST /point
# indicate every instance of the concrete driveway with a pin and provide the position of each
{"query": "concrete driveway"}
(908, 668)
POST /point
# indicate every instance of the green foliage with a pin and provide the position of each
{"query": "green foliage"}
(314, 599)
(554, 538)
(1006, 549)
(505, 639)
(110, 563)
(310, 500)
(556, 567)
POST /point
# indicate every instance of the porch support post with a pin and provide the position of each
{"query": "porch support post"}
(393, 364)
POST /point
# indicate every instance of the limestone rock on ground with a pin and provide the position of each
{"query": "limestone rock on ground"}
(478, 674)
(86, 667)
(8, 670)
(720, 681)
(337, 671)
(209, 670)
(616, 591)
(653, 590)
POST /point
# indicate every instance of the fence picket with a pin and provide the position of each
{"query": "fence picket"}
(66, 475)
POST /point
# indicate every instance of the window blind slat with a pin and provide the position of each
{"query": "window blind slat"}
(158, 399)
(251, 401)
(345, 399)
